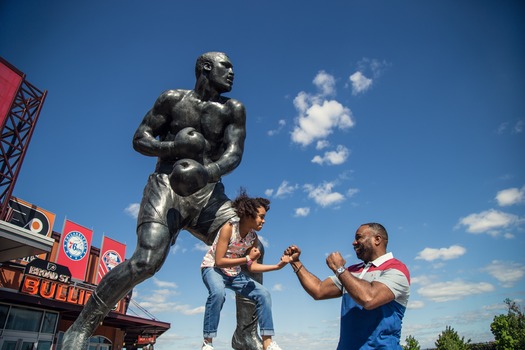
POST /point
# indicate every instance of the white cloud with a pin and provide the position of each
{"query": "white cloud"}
(507, 273)
(376, 66)
(268, 192)
(318, 120)
(323, 194)
(322, 144)
(285, 189)
(511, 196)
(420, 279)
(159, 300)
(361, 80)
(175, 249)
(186, 309)
(416, 304)
(423, 279)
(502, 127)
(352, 191)
(263, 241)
(201, 247)
(360, 83)
(133, 210)
(431, 254)
(453, 290)
(164, 284)
(325, 82)
(302, 101)
(518, 128)
(339, 156)
(281, 125)
(162, 294)
(489, 221)
(300, 212)
(278, 287)
(319, 116)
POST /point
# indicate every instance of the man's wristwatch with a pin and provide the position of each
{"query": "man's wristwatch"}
(340, 270)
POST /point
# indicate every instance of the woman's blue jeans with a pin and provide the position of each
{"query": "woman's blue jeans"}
(217, 282)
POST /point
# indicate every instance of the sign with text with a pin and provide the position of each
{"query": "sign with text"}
(146, 339)
(48, 280)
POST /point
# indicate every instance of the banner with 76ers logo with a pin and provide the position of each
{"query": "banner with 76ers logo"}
(74, 248)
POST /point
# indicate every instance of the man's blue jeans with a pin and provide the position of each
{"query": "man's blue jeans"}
(217, 282)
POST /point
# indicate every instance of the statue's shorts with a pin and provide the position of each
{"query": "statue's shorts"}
(202, 213)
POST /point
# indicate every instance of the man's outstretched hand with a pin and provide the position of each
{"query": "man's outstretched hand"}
(293, 252)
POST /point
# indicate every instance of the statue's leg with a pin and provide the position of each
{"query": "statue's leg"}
(152, 249)
(246, 336)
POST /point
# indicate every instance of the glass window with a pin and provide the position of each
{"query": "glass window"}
(27, 346)
(4, 309)
(98, 339)
(24, 320)
(99, 343)
(44, 345)
(95, 339)
(49, 324)
(59, 341)
(9, 345)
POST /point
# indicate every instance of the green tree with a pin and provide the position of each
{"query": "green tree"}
(412, 343)
(509, 329)
(449, 340)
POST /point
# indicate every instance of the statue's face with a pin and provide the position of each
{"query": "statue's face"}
(221, 74)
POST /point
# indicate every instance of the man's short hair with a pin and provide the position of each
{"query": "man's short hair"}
(208, 57)
(378, 229)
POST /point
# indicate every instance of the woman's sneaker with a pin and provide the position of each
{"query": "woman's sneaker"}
(273, 346)
(208, 346)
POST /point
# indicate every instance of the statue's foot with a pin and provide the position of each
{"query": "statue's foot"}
(75, 340)
(246, 341)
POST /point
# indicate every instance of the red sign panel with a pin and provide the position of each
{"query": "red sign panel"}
(112, 253)
(74, 248)
(53, 281)
(146, 339)
(10, 81)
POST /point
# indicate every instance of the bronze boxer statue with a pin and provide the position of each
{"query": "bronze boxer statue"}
(197, 136)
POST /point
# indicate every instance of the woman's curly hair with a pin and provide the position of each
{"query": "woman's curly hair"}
(247, 206)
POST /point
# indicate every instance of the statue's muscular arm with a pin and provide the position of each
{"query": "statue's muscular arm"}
(156, 123)
(233, 140)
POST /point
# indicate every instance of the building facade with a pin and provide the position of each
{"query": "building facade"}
(39, 301)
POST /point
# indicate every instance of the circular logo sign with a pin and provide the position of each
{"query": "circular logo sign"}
(36, 225)
(111, 259)
(75, 245)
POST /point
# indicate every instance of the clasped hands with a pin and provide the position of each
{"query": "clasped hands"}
(333, 261)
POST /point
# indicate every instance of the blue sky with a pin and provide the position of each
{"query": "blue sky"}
(408, 113)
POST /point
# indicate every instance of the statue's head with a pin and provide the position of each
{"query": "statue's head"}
(216, 69)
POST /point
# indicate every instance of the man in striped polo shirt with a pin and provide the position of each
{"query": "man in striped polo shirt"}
(374, 293)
